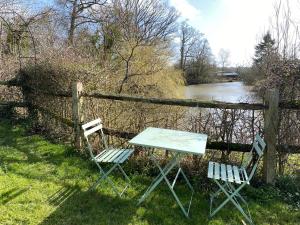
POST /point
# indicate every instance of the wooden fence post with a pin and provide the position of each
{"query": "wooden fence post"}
(77, 112)
(271, 132)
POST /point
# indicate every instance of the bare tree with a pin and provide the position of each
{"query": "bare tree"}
(78, 13)
(286, 30)
(189, 38)
(200, 62)
(282, 72)
(8, 6)
(137, 24)
(224, 58)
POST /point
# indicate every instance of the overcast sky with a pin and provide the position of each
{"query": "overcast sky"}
(235, 25)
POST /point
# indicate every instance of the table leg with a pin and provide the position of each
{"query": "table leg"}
(170, 165)
(162, 176)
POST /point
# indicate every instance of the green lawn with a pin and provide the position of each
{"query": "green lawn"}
(45, 183)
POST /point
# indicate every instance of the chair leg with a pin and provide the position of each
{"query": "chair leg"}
(219, 191)
(128, 181)
(212, 197)
(104, 175)
(124, 174)
(231, 197)
(238, 194)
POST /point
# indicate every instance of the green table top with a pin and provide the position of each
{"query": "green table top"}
(174, 140)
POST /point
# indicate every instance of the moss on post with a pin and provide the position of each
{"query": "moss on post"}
(77, 115)
(271, 131)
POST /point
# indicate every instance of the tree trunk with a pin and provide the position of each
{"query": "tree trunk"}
(125, 77)
(182, 53)
(72, 23)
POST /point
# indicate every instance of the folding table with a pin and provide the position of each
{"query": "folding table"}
(178, 143)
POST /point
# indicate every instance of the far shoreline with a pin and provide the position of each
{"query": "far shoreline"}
(215, 81)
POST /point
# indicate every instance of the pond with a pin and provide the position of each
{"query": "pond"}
(227, 92)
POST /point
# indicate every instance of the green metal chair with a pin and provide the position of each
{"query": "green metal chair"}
(231, 179)
(109, 155)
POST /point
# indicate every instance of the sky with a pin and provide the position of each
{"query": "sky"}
(234, 25)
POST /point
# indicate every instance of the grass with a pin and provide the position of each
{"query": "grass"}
(45, 183)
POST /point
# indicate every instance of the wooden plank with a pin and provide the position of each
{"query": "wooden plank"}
(177, 102)
(210, 172)
(210, 145)
(12, 82)
(236, 147)
(229, 173)
(271, 132)
(77, 115)
(223, 172)
(217, 171)
(14, 104)
(236, 173)
(290, 105)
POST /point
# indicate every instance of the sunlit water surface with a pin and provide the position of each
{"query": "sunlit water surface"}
(227, 92)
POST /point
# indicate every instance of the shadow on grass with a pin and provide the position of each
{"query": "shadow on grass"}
(160, 207)
(33, 157)
(95, 208)
(63, 194)
(74, 206)
(11, 194)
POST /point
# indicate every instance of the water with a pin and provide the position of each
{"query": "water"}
(226, 92)
(211, 121)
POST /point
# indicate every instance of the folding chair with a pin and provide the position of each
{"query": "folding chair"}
(231, 179)
(108, 155)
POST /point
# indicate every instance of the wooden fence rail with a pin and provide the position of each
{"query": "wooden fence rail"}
(14, 104)
(294, 105)
(271, 108)
(179, 102)
(10, 83)
(223, 146)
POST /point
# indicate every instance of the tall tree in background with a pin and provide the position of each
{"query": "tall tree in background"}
(78, 13)
(188, 38)
(195, 54)
(200, 62)
(139, 24)
(265, 54)
(224, 58)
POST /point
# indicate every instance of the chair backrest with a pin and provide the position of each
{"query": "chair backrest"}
(91, 128)
(256, 153)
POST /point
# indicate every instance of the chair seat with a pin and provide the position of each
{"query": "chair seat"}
(226, 172)
(114, 155)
